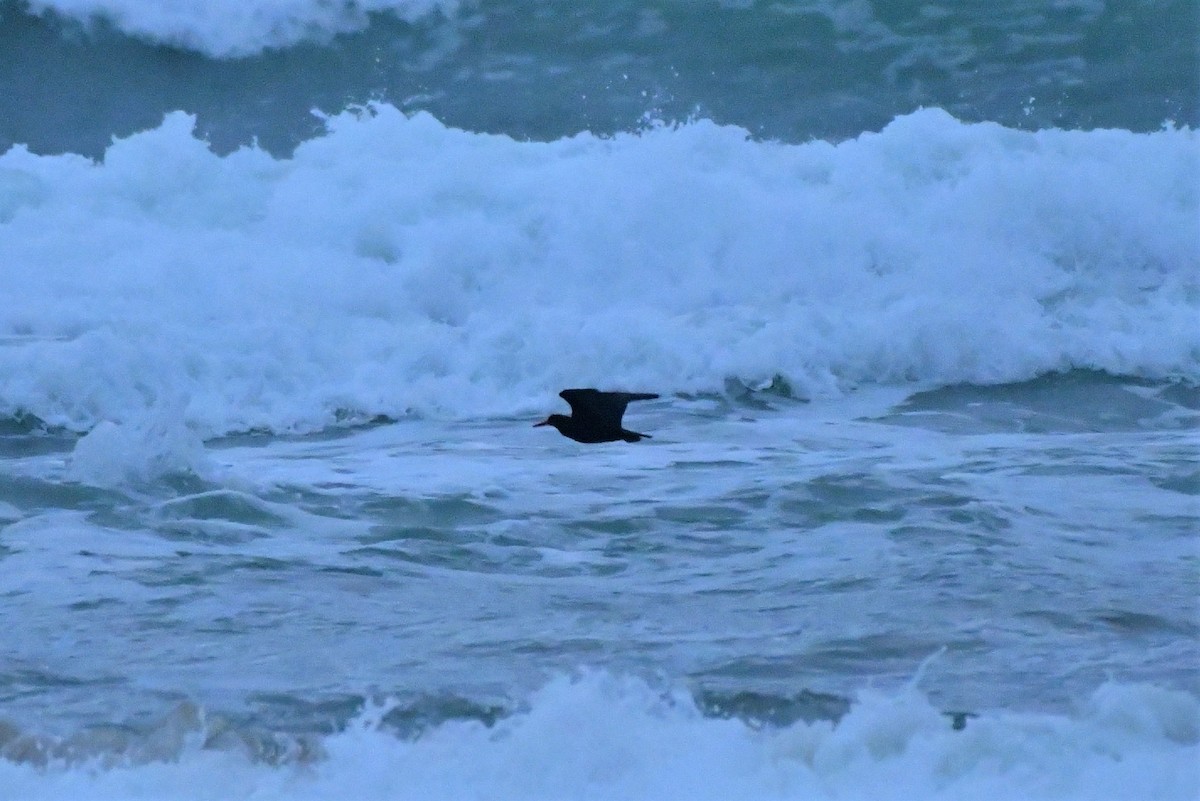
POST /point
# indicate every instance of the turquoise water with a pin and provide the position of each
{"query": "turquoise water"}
(919, 287)
(541, 70)
(766, 557)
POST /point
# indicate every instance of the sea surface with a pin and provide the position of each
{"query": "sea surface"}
(285, 284)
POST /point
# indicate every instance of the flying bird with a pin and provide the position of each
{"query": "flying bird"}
(595, 415)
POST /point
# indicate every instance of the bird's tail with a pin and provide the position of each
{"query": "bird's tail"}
(633, 436)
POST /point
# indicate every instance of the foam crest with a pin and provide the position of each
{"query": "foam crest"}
(231, 28)
(604, 736)
(398, 265)
(112, 454)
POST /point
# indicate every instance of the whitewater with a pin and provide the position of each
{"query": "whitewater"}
(400, 267)
(284, 287)
(286, 403)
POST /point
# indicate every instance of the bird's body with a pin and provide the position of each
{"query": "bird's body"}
(596, 416)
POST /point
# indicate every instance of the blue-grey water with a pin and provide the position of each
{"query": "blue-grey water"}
(541, 70)
(284, 287)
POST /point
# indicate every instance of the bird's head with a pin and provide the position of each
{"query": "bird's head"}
(556, 420)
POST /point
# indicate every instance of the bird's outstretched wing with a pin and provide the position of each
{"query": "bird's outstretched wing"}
(606, 408)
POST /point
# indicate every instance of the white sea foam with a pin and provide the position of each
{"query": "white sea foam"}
(231, 28)
(599, 736)
(113, 454)
(397, 264)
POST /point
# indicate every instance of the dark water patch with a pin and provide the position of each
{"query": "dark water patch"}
(924, 535)
(220, 533)
(22, 685)
(762, 396)
(868, 654)
(1184, 525)
(845, 584)
(193, 572)
(395, 553)
(488, 555)
(947, 556)
(1131, 622)
(872, 656)
(946, 422)
(759, 709)
(854, 497)
(185, 482)
(887, 515)
(450, 537)
(163, 605)
(352, 570)
(1060, 620)
(380, 534)
(354, 421)
(1182, 394)
(753, 499)
(1069, 464)
(408, 717)
(634, 545)
(509, 541)
(165, 739)
(754, 669)
(1079, 401)
(943, 500)
(528, 69)
(332, 499)
(142, 511)
(346, 424)
(41, 679)
(420, 715)
(979, 518)
(23, 435)
(616, 526)
(162, 577)
(702, 517)
(850, 490)
(93, 604)
(222, 505)
(263, 564)
(582, 649)
(296, 715)
(29, 493)
(704, 464)
(1185, 483)
(446, 555)
(21, 424)
(128, 516)
(449, 512)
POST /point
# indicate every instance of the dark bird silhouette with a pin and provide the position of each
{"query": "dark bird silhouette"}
(595, 415)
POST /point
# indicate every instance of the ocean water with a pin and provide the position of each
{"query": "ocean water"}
(284, 285)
